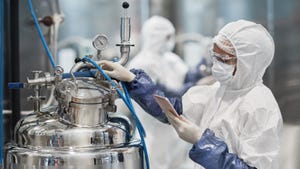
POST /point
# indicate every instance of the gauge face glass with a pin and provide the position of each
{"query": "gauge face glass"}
(100, 42)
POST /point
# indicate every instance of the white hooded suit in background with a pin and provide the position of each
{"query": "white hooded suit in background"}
(166, 151)
(156, 57)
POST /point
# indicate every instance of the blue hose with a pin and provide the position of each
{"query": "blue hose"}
(1, 77)
(128, 103)
(80, 74)
(41, 34)
(142, 138)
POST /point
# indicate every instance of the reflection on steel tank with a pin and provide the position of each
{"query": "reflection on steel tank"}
(81, 132)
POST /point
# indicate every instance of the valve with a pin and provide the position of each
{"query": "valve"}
(36, 98)
(125, 30)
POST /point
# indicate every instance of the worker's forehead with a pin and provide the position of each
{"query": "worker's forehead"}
(217, 49)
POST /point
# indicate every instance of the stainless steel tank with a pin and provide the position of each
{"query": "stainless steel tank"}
(81, 132)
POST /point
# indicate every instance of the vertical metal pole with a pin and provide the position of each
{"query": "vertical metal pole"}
(15, 61)
(1, 77)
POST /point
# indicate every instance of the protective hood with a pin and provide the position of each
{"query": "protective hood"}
(244, 113)
(154, 35)
(254, 49)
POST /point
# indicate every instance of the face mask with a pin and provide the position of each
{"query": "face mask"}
(222, 72)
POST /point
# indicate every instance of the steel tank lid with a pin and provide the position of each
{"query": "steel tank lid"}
(83, 90)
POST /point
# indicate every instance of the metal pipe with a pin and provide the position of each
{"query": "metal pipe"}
(1, 76)
(125, 51)
(15, 60)
(125, 29)
(80, 65)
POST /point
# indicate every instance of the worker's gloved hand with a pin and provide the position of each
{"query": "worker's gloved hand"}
(185, 129)
(116, 71)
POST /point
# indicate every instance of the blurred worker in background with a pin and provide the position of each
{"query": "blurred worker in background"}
(166, 69)
(234, 123)
(171, 75)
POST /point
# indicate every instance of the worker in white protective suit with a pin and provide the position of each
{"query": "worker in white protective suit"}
(168, 71)
(234, 123)
(156, 58)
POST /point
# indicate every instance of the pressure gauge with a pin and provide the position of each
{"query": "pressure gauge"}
(100, 42)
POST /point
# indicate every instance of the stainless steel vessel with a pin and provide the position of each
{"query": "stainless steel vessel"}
(81, 132)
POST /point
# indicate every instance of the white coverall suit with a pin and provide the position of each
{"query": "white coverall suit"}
(166, 68)
(243, 113)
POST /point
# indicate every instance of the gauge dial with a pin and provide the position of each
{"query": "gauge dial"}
(100, 42)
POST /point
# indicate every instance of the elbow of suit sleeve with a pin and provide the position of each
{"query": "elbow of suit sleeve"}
(142, 89)
(212, 153)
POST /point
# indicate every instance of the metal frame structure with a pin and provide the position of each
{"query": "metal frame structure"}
(1, 76)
